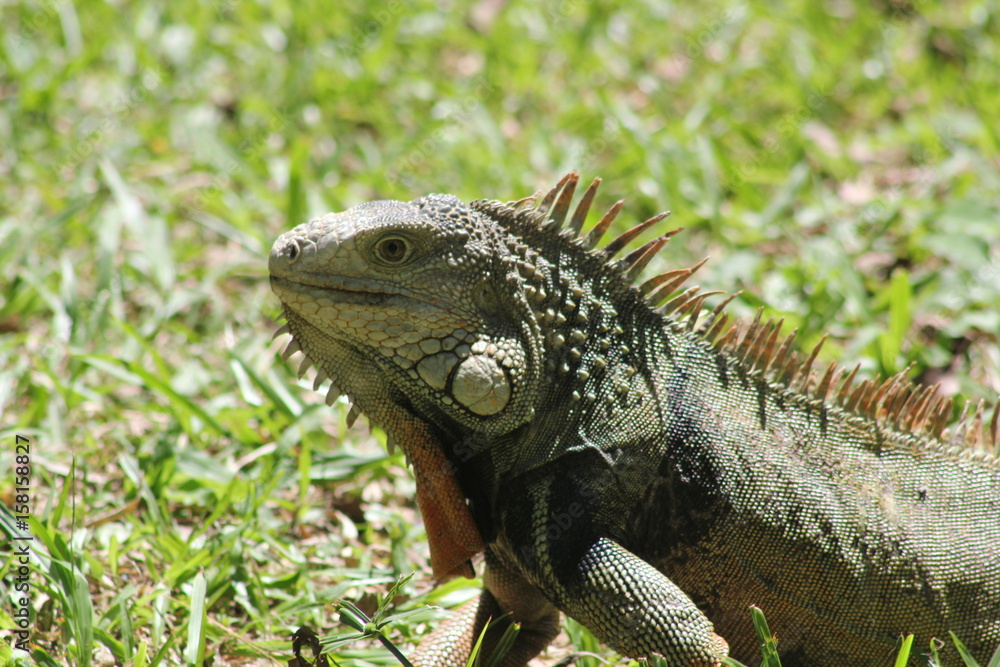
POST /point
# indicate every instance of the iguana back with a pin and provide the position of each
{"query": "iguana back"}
(631, 464)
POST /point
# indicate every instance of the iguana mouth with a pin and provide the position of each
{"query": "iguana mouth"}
(345, 290)
(346, 293)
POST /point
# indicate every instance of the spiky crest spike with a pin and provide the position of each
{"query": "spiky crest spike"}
(846, 385)
(594, 237)
(565, 200)
(744, 345)
(654, 282)
(678, 301)
(961, 431)
(756, 349)
(938, 419)
(333, 393)
(716, 319)
(636, 261)
(919, 400)
(520, 204)
(807, 367)
(890, 386)
(920, 413)
(789, 369)
(781, 357)
(545, 204)
(582, 208)
(934, 406)
(852, 400)
(824, 384)
(756, 353)
(976, 427)
(895, 404)
(767, 355)
(864, 401)
(864, 405)
(672, 279)
(942, 409)
(616, 244)
(718, 322)
(876, 400)
(883, 398)
(992, 431)
(907, 409)
(934, 416)
(693, 307)
(756, 337)
(728, 338)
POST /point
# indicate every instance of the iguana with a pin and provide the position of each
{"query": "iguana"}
(629, 463)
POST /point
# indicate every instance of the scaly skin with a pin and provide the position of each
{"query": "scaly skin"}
(628, 466)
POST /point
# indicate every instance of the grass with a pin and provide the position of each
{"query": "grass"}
(190, 499)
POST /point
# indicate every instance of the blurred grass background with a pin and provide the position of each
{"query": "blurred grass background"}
(192, 501)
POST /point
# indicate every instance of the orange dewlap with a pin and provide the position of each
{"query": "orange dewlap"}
(451, 532)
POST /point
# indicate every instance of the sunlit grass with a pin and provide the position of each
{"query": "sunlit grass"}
(189, 496)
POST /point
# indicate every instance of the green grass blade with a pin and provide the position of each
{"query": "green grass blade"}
(79, 611)
(995, 660)
(506, 642)
(967, 657)
(903, 657)
(769, 646)
(194, 651)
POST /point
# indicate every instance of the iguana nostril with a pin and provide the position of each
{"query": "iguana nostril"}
(286, 252)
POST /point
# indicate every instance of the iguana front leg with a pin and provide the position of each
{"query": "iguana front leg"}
(558, 538)
(633, 608)
(504, 592)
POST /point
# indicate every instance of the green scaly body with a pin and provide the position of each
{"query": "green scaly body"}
(631, 466)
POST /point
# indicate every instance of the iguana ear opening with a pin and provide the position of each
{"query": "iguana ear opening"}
(486, 298)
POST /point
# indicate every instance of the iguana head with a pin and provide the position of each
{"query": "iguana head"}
(428, 294)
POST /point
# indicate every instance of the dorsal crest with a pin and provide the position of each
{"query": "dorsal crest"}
(759, 346)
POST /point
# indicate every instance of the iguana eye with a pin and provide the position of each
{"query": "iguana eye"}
(392, 249)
